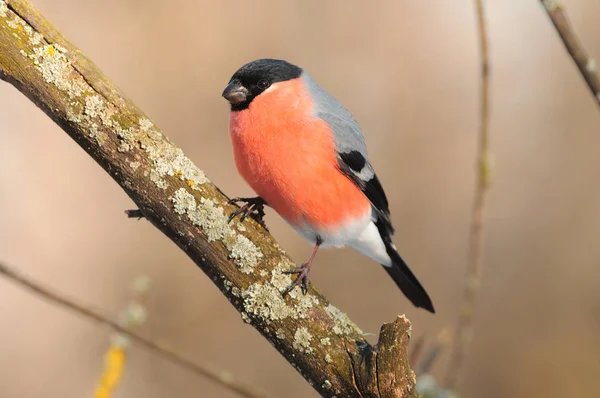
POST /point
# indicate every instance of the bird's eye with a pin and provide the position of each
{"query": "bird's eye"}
(263, 84)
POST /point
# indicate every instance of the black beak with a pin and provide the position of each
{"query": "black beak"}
(235, 93)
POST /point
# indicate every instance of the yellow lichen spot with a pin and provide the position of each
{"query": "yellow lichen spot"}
(190, 183)
(178, 173)
(50, 50)
(113, 371)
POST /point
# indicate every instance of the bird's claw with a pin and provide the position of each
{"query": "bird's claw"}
(301, 279)
(253, 207)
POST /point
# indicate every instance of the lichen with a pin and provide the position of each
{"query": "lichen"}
(56, 68)
(325, 341)
(169, 160)
(211, 218)
(328, 358)
(304, 305)
(243, 252)
(94, 104)
(3, 9)
(183, 201)
(302, 339)
(265, 302)
(145, 124)
(157, 179)
(326, 385)
(280, 334)
(342, 325)
(281, 281)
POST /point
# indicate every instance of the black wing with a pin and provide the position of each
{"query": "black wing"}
(354, 165)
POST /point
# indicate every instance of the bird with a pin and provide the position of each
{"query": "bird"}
(305, 156)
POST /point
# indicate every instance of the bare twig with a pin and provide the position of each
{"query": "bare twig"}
(133, 316)
(222, 378)
(587, 66)
(243, 260)
(464, 330)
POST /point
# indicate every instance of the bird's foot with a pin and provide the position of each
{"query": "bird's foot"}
(253, 207)
(301, 273)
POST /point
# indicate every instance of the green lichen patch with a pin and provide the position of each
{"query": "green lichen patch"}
(211, 218)
(56, 68)
(167, 159)
(303, 303)
(265, 302)
(342, 325)
(183, 202)
(94, 106)
(3, 9)
(302, 339)
(280, 280)
(243, 252)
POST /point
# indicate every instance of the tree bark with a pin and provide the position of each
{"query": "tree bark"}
(243, 260)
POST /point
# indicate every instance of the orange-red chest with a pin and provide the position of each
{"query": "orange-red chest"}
(288, 157)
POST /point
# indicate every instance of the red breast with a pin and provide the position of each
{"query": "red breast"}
(288, 157)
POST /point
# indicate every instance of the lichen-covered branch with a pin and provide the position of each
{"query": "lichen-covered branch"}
(242, 260)
(587, 65)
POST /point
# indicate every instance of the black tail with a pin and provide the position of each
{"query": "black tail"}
(403, 276)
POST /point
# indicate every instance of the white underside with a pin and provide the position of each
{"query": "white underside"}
(362, 235)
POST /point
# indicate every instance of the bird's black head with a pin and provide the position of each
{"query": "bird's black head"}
(254, 78)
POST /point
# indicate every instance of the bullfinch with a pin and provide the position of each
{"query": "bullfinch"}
(305, 156)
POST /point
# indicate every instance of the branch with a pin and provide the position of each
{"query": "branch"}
(220, 378)
(242, 260)
(464, 330)
(587, 66)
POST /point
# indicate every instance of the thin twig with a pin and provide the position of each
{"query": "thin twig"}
(587, 66)
(464, 330)
(221, 378)
(132, 317)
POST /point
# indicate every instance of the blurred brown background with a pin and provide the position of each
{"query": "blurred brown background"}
(408, 71)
